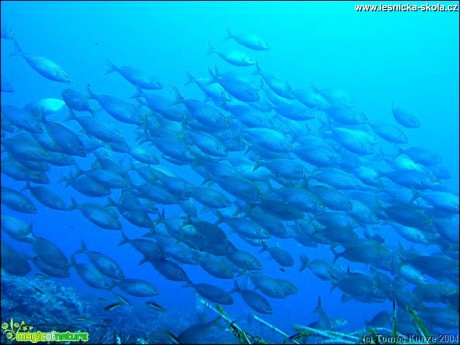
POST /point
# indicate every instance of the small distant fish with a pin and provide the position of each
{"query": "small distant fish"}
(16, 228)
(134, 76)
(210, 197)
(233, 57)
(91, 275)
(65, 138)
(49, 253)
(137, 287)
(280, 255)
(253, 299)
(149, 249)
(390, 133)
(276, 288)
(98, 128)
(75, 100)
(248, 40)
(49, 270)
(41, 276)
(113, 306)
(42, 65)
(170, 270)
(103, 263)
(20, 118)
(423, 156)
(277, 85)
(116, 107)
(83, 319)
(155, 306)
(237, 87)
(86, 185)
(213, 91)
(405, 118)
(47, 197)
(217, 266)
(212, 293)
(122, 299)
(98, 214)
(17, 201)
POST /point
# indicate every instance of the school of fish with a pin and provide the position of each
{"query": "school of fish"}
(276, 164)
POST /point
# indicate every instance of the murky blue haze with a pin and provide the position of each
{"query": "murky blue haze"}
(379, 59)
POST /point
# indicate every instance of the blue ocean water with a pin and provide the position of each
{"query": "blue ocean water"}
(409, 59)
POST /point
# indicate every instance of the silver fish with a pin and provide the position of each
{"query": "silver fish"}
(44, 66)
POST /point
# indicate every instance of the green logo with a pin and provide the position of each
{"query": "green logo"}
(16, 331)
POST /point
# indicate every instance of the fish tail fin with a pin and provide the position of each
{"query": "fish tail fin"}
(161, 217)
(63, 178)
(30, 228)
(82, 249)
(188, 283)
(190, 78)
(91, 111)
(257, 163)
(345, 298)
(213, 75)
(179, 97)
(248, 149)
(258, 70)
(379, 155)
(220, 217)
(393, 106)
(318, 307)
(151, 232)
(264, 247)
(110, 67)
(90, 91)
(26, 186)
(216, 321)
(236, 287)
(139, 93)
(71, 116)
(110, 202)
(131, 165)
(172, 337)
(325, 126)
(337, 255)
(243, 272)
(17, 49)
(72, 261)
(211, 49)
(41, 116)
(229, 35)
(143, 261)
(415, 195)
(303, 262)
(124, 239)
(78, 171)
(73, 204)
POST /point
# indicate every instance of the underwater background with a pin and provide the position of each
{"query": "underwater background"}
(381, 60)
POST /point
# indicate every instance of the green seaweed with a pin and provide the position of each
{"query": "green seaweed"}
(419, 324)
